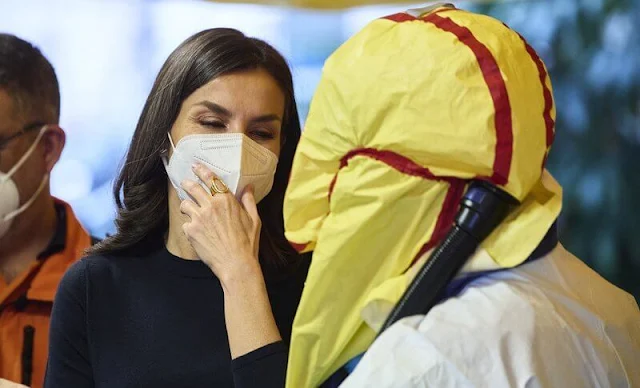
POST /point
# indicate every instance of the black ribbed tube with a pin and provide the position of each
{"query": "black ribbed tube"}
(437, 272)
(482, 208)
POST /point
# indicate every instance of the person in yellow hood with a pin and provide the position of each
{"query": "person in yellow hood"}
(408, 113)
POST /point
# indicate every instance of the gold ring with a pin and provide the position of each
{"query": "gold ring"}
(218, 187)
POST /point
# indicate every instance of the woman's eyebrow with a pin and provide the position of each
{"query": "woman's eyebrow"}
(215, 108)
(266, 118)
(219, 109)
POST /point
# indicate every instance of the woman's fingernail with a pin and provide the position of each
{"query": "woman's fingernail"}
(195, 166)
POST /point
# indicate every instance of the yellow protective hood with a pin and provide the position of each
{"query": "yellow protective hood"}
(335, 4)
(407, 111)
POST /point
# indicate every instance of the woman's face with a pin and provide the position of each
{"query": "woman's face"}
(248, 102)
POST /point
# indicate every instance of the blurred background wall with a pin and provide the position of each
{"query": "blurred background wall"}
(107, 54)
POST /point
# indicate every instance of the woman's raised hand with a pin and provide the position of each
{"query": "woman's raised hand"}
(225, 233)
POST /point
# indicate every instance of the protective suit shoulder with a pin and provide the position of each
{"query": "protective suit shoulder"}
(550, 327)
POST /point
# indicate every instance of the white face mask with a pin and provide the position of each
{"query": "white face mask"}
(233, 157)
(9, 197)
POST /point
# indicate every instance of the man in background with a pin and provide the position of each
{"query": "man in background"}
(40, 237)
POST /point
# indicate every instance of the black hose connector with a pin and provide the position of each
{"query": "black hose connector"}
(482, 208)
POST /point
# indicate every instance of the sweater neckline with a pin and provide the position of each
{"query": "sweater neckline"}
(179, 266)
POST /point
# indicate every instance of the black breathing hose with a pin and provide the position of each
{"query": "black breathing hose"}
(482, 208)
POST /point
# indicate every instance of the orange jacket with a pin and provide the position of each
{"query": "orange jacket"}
(25, 303)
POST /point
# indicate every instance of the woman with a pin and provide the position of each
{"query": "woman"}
(177, 297)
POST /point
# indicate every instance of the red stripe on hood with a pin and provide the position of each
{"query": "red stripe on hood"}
(549, 123)
(498, 90)
(400, 17)
(390, 158)
(409, 167)
(445, 218)
(298, 247)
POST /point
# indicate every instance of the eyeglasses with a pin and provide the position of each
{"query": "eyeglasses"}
(27, 128)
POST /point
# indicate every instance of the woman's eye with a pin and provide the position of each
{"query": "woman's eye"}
(213, 124)
(263, 135)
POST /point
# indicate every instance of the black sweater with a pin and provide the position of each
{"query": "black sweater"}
(157, 321)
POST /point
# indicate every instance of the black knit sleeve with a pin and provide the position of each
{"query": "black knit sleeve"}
(264, 367)
(267, 366)
(68, 364)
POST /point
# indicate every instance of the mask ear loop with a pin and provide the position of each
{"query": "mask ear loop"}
(165, 154)
(28, 153)
(171, 141)
(31, 200)
(15, 168)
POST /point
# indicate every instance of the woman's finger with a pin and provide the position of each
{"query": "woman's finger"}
(189, 208)
(196, 191)
(205, 174)
(186, 229)
(249, 204)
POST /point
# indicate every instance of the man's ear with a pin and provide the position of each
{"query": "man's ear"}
(53, 141)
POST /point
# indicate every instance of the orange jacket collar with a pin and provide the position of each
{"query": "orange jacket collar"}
(45, 283)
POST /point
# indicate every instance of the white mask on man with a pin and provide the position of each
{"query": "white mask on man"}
(10, 197)
(233, 157)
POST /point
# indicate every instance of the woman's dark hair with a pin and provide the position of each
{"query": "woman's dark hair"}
(143, 217)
